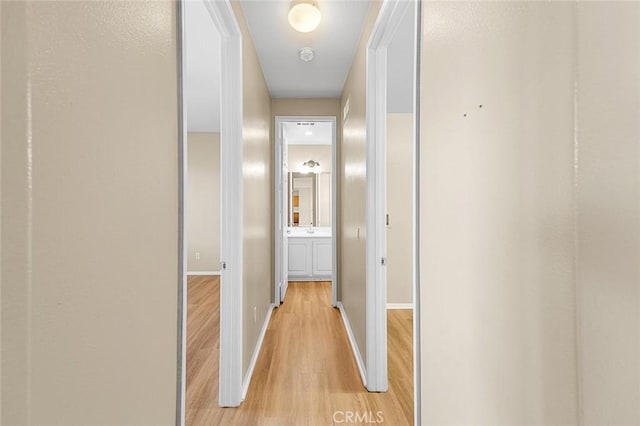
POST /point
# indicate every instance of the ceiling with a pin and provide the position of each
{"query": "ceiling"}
(202, 57)
(277, 44)
(308, 133)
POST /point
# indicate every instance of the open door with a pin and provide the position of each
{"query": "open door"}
(285, 224)
(282, 214)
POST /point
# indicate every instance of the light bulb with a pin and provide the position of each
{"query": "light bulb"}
(304, 17)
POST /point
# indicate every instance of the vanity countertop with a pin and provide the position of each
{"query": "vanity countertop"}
(308, 232)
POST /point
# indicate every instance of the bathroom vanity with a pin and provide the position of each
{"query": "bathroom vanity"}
(310, 254)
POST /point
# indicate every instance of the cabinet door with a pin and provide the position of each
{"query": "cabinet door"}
(322, 256)
(300, 257)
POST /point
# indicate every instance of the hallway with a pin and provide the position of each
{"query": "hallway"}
(305, 373)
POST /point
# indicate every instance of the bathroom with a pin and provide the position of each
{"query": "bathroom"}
(307, 200)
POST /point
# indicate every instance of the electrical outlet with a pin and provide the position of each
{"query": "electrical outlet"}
(255, 314)
(197, 255)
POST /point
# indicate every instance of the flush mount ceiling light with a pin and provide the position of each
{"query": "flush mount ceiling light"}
(306, 54)
(304, 15)
(311, 164)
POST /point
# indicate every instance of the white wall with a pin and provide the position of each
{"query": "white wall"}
(498, 341)
(90, 211)
(203, 202)
(324, 199)
(399, 207)
(608, 197)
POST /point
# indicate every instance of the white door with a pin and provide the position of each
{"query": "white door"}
(284, 219)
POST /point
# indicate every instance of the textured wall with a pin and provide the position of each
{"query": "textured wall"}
(257, 196)
(608, 244)
(298, 154)
(399, 207)
(353, 185)
(203, 202)
(90, 211)
(306, 106)
(497, 230)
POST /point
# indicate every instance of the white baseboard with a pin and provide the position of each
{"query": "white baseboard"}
(256, 351)
(203, 273)
(399, 305)
(354, 345)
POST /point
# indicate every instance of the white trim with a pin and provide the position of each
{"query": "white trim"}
(281, 276)
(389, 18)
(334, 198)
(399, 306)
(354, 346)
(256, 352)
(231, 194)
(417, 374)
(181, 398)
(334, 215)
(203, 273)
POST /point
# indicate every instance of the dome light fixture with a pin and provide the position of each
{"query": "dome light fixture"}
(304, 15)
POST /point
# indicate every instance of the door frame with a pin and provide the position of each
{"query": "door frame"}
(278, 182)
(231, 190)
(389, 19)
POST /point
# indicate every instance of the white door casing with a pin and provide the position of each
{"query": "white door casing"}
(231, 190)
(389, 18)
(281, 255)
(231, 95)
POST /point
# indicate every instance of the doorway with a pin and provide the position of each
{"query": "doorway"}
(217, 22)
(305, 200)
(381, 65)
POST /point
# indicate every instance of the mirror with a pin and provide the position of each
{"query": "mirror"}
(308, 161)
(309, 199)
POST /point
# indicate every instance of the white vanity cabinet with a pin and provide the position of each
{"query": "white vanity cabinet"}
(310, 258)
(322, 252)
(300, 258)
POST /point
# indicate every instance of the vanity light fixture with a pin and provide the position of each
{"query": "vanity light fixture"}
(309, 166)
(304, 15)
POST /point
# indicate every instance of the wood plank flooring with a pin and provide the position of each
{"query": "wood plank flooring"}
(305, 374)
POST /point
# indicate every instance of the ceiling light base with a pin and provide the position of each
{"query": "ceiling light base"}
(306, 54)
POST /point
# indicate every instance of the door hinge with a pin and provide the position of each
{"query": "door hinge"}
(383, 261)
(223, 264)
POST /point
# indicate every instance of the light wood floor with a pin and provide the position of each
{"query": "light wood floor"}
(305, 372)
